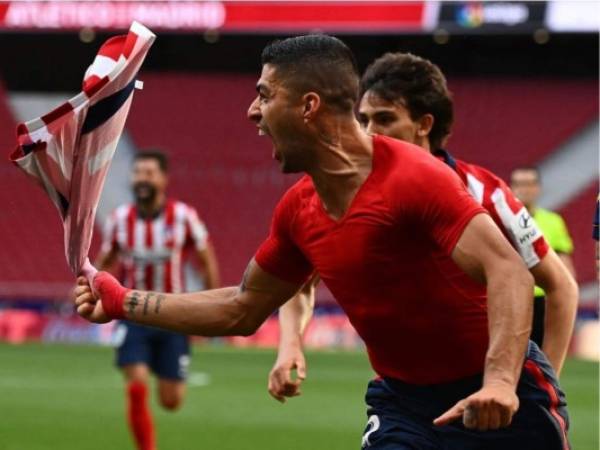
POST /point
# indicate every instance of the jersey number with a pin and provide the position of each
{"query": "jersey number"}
(372, 426)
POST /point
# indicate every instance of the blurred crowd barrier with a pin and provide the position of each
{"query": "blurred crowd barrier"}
(330, 330)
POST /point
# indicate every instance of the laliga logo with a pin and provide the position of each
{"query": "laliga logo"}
(476, 14)
(470, 15)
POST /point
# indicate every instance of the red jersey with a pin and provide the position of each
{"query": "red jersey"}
(151, 248)
(508, 212)
(387, 262)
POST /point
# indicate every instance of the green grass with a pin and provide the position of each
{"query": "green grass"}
(70, 397)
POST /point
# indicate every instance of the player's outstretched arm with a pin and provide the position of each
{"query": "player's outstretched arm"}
(562, 295)
(220, 312)
(293, 319)
(484, 253)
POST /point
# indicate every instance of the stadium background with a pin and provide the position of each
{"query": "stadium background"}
(525, 82)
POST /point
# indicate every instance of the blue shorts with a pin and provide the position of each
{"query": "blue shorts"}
(165, 352)
(400, 415)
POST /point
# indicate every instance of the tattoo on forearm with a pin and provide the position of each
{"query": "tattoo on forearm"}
(147, 302)
(159, 299)
(133, 302)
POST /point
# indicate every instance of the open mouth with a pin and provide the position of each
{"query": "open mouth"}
(261, 130)
(274, 153)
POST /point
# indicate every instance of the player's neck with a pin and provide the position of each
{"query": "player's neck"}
(345, 162)
(153, 207)
(426, 145)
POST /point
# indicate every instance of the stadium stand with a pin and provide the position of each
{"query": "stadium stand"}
(504, 123)
(201, 121)
(219, 164)
(207, 121)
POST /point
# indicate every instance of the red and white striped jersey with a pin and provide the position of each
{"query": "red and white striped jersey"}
(151, 249)
(504, 207)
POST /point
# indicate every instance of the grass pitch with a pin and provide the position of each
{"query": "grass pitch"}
(70, 397)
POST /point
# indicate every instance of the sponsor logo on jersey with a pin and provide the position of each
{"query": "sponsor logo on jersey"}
(526, 231)
(524, 220)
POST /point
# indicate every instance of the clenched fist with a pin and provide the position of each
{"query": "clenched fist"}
(281, 383)
(103, 302)
(490, 408)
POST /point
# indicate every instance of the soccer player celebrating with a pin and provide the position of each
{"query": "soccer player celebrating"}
(407, 253)
(148, 237)
(406, 97)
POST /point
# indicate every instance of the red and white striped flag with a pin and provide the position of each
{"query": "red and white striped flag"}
(68, 151)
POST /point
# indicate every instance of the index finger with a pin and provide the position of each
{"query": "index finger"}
(80, 290)
(454, 413)
(85, 298)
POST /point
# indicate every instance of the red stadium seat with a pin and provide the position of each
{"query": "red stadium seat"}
(504, 123)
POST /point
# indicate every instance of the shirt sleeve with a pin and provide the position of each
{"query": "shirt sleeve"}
(278, 254)
(109, 234)
(441, 204)
(516, 223)
(196, 231)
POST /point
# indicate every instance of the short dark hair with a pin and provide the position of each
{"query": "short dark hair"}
(318, 63)
(417, 81)
(158, 155)
(535, 169)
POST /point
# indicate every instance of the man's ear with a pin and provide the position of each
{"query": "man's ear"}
(312, 103)
(425, 124)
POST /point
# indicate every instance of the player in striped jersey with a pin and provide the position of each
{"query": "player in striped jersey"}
(406, 97)
(148, 238)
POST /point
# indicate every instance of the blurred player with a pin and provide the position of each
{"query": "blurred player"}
(406, 97)
(148, 238)
(406, 252)
(525, 182)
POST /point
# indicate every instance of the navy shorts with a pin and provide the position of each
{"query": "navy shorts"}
(400, 415)
(165, 352)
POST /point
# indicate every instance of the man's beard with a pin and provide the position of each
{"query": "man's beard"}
(144, 192)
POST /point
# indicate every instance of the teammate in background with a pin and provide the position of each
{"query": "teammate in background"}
(148, 238)
(407, 253)
(525, 182)
(406, 97)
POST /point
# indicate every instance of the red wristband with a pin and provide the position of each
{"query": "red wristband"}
(111, 293)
